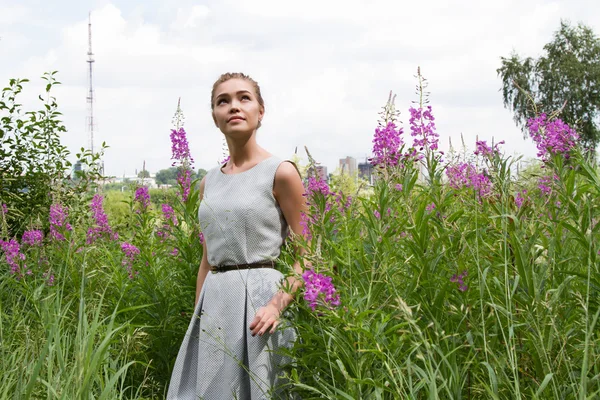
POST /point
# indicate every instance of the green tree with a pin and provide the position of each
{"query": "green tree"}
(34, 166)
(144, 174)
(566, 79)
(201, 173)
(167, 176)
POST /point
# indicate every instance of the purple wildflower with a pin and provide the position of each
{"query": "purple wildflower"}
(13, 255)
(49, 278)
(304, 223)
(184, 178)
(398, 187)
(552, 137)
(58, 224)
(316, 185)
(545, 185)
(130, 253)
(4, 209)
(422, 128)
(319, 287)
(101, 226)
(519, 199)
(143, 197)
(169, 214)
(180, 149)
(376, 214)
(483, 149)
(201, 238)
(430, 207)
(465, 175)
(386, 146)
(175, 252)
(459, 280)
(32, 237)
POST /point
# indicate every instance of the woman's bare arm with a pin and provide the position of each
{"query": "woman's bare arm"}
(204, 266)
(289, 193)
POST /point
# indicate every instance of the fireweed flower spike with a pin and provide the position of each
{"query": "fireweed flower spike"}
(58, 224)
(422, 128)
(482, 148)
(32, 237)
(13, 255)
(101, 226)
(180, 153)
(459, 280)
(142, 197)
(319, 289)
(552, 137)
(386, 146)
(130, 253)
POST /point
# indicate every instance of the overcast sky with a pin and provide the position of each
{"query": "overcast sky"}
(325, 68)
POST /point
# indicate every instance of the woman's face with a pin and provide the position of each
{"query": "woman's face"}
(236, 108)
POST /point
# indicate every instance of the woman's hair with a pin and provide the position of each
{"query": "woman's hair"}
(235, 75)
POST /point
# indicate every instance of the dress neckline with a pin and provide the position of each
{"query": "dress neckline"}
(243, 172)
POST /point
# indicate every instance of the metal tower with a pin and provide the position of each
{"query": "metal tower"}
(90, 97)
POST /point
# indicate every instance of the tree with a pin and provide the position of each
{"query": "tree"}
(144, 174)
(167, 176)
(566, 79)
(201, 173)
(34, 167)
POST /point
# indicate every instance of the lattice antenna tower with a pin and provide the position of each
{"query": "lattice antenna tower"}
(90, 97)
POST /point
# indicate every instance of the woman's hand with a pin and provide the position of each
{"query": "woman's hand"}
(266, 317)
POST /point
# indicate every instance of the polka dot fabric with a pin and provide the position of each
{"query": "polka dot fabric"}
(219, 358)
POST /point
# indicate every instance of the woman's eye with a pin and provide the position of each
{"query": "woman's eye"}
(221, 101)
(246, 97)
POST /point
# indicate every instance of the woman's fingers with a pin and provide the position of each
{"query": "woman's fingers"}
(263, 321)
(269, 322)
(274, 327)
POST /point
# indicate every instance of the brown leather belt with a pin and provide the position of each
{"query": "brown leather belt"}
(225, 268)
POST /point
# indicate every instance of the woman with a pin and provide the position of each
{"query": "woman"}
(247, 206)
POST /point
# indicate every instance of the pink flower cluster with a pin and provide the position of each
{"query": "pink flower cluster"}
(482, 148)
(422, 128)
(180, 149)
(180, 152)
(519, 198)
(58, 221)
(545, 184)
(142, 196)
(319, 289)
(32, 237)
(4, 209)
(184, 178)
(169, 214)
(13, 255)
(170, 220)
(552, 137)
(386, 146)
(459, 280)
(465, 175)
(101, 226)
(130, 254)
(316, 188)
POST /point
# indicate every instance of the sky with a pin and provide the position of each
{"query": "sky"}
(325, 69)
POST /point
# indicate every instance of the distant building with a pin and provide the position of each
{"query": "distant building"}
(320, 171)
(348, 166)
(365, 171)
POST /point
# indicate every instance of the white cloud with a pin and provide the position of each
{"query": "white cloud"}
(325, 69)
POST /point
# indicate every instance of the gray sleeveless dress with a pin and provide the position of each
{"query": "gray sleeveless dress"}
(219, 358)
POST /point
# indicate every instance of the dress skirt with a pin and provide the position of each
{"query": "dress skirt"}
(219, 358)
